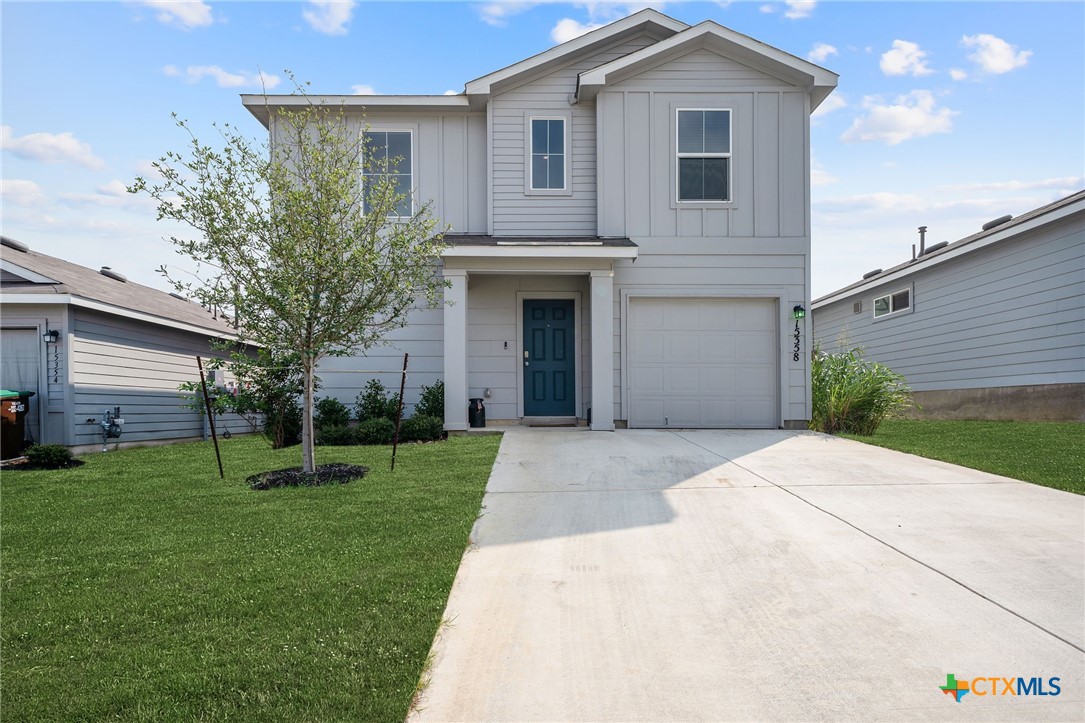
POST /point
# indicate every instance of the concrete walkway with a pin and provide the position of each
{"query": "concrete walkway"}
(762, 575)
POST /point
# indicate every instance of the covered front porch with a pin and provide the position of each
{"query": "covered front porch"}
(529, 328)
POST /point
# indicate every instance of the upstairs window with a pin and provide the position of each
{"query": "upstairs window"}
(703, 155)
(893, 303)
(388, 155)
(548, 154)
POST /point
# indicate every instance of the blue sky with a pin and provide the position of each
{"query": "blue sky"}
(947, 114)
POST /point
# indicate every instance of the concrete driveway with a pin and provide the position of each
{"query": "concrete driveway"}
(753, 575)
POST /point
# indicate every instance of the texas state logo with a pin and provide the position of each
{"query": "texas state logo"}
(997, 685)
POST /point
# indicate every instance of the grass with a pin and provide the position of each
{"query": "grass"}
(1051, 454)
(141, 587)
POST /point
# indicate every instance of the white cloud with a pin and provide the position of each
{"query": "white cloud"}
(50, 148)
(767, 9)
(905, 58)
(994, 55)
(799, 9)
(820, 177)
(882, 201)
(329, 16)
(183, 13)
(362, 90)
(821, 52)
(452, 92)
(20, 192)
(498, 13)
(113, 194)
(911, 116)
(833, 102)
(568, 29)
(957, 74)
(1059, 183)
(224, 79)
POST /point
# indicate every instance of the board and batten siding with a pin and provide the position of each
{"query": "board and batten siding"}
(48, 405)
(138, 367)
(769, 153)
(516, 213)
(1011, 314)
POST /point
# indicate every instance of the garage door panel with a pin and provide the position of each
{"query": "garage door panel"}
(702, 363)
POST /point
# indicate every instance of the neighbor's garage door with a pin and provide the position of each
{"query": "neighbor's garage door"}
(702, 363)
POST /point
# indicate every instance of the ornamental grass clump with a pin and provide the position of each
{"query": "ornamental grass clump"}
(854, 395)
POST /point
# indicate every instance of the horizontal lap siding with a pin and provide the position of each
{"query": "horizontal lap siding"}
(1008, 315)
(422, 339)
(518, 214)
(138, 367)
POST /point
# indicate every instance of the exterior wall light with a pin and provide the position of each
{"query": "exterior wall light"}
(799, 312)
(51, 336)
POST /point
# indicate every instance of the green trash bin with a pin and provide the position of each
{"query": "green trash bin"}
(14, 406)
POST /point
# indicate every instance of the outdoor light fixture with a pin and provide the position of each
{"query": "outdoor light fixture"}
(51, 336)
(799, 312)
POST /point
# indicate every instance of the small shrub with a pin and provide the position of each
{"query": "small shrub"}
(375, 431)
(339, 435)
(852, 394)
(372, 402)
(393, 407)
(50, 456)
(330, 412)
(421, 428)
(431, 402)
(283, 424)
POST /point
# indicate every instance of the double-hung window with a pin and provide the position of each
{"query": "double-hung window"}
(893, 303)
(548, 162)
(388, 156)
(703, 157)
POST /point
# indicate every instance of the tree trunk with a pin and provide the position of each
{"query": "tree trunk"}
(308, 463)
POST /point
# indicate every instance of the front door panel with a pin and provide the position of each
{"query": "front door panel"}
(549, 358)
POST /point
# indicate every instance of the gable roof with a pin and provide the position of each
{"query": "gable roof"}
(647, 20)
(1037, 217)
(818, 81)
(50, 280)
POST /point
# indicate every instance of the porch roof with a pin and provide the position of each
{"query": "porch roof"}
(580, 247)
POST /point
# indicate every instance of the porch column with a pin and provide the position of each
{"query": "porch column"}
(602, 351)
(455, 349)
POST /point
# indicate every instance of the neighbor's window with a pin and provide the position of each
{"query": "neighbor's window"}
(388, 155)
(548, 154)
(704, 155)
(892, 303)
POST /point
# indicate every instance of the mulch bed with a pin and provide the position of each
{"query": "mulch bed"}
(325, 474)
(21, 464)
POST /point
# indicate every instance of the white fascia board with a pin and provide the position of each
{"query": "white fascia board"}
(541, 252)
(260, 105)
(817, 80)
(24, 273)
(482, 86)
(26, 299)
(950, 254)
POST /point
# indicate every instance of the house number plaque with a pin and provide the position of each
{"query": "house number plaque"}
(798, 344)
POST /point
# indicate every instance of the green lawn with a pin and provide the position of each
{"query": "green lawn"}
(1046, 453)
(141, 587)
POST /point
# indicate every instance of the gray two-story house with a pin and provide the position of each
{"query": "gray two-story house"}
(630, 216)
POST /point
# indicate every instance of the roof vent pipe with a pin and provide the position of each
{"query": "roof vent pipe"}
(106, 271)
(922, 240)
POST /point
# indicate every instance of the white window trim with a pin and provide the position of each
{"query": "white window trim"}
(567, 188)
(892, 312)
(414, 164)
(730, 166)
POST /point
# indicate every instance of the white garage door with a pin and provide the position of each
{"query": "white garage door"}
(702, 363)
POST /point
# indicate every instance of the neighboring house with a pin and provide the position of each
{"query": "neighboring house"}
(117, 344)
(988, 327)
(630, 230)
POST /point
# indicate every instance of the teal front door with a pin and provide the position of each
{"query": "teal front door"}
(549, 358)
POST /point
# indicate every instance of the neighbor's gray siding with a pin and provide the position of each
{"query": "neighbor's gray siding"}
(1012, 314)
(516, 213)
(138, 367)
(50, 401)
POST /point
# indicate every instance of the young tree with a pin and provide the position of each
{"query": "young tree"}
(303, 260)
